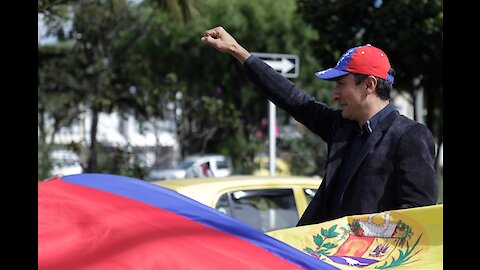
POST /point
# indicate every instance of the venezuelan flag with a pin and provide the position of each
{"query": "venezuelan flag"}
(398, 239)
(102, 221)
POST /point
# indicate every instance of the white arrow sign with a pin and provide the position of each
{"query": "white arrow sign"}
(285, 64)
(282, 66)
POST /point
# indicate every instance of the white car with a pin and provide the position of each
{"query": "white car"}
(206, 165)
(65, 162)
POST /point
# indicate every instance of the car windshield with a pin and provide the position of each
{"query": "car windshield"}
(184, 164)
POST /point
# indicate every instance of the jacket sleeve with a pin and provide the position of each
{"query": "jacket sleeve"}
(415, 160)
(283, 93)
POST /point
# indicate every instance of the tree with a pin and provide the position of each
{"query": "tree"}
(57, 99)
(102, 34)
(139, 59)
(219, 107)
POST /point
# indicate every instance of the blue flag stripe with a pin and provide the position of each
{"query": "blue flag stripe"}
(177, 203)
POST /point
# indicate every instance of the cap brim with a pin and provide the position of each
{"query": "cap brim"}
(330, 74)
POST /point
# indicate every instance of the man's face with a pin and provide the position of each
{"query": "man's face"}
(350, 97)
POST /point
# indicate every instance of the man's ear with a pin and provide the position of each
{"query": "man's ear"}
(371, 84)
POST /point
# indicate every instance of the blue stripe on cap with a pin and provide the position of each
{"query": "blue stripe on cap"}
(390, 78)
(330, 73)
(343, 62)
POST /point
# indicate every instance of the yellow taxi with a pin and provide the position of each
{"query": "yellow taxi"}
(266, 203)
(262, 166)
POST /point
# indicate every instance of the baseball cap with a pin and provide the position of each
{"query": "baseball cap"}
(366, 59)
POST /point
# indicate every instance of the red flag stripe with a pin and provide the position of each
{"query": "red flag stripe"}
(78, 230)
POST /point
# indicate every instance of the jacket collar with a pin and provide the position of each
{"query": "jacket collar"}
(341, 139)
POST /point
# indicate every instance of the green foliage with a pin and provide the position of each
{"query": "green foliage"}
(277, 30)
(204, 75)
(306, 154)
(243, 149)
(120, 160)
(142, 59)
(44, 163)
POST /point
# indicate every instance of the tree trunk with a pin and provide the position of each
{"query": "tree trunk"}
(92, 155)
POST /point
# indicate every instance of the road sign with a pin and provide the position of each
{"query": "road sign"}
(285, 64)
(288, 66)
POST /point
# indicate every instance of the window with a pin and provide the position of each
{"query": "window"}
(184, 164)
(265, 210)
(222, 164)
(309, 193)
(223, 205)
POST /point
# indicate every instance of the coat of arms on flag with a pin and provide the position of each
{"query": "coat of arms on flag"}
(392, 239)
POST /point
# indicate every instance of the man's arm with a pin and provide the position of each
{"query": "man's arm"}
(415, 162)
(221, 40)
(278, 89)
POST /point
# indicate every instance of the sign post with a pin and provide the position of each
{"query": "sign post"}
(288, 66)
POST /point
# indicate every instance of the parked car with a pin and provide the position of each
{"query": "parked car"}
(65, 162)
(265, 203)
(206, 165)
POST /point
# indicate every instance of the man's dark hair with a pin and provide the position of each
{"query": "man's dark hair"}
(384, 87)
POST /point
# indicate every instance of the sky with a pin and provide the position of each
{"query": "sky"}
(42, 31)
(42, 38)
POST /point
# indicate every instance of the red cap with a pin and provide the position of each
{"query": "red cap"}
(367, 60)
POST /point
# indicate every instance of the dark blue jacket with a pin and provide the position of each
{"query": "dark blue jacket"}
(396, 167)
